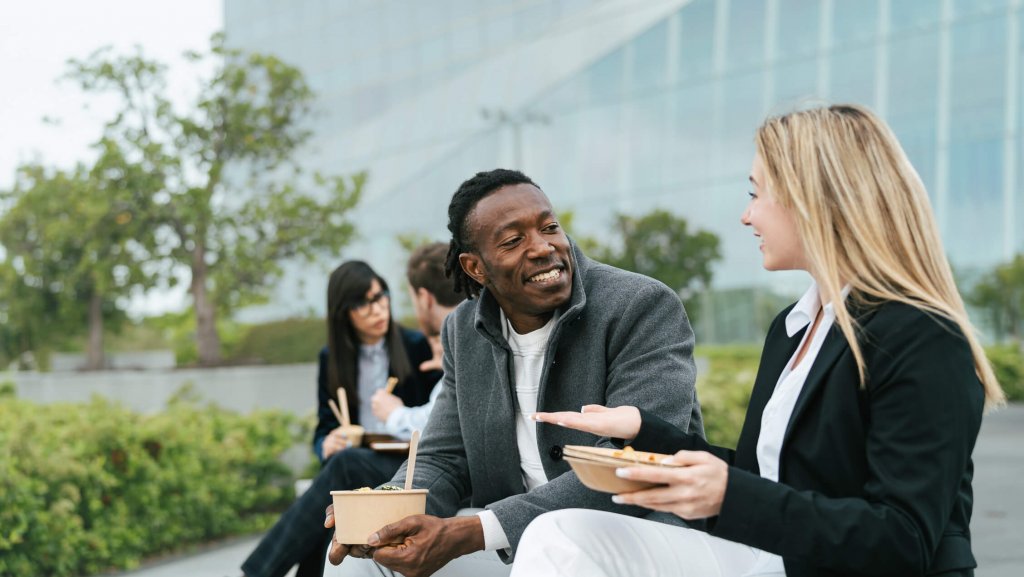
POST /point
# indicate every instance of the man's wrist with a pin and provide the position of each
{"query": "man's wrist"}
(468, 533)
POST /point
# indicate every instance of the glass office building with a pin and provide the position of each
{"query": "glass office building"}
(630, 105)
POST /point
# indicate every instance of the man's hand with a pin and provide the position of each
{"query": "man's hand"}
(436, 363)
(423, 543)
(339, 551)
(383, 403)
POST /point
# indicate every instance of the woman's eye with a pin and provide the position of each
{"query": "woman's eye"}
(553, 227)
(751, 194)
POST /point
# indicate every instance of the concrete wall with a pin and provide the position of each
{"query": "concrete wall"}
(290, 388)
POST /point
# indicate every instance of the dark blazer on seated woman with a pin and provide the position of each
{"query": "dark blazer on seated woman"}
(873, 480)
(414, 390)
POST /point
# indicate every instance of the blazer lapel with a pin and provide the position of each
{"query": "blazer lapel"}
(778, 349)
(833, 346)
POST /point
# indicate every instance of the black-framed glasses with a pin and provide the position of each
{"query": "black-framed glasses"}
(365, 306)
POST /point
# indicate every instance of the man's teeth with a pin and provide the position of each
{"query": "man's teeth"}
(550, 275)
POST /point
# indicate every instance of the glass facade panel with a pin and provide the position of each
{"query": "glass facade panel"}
(854, 23)
(649, 59)
(745, 48)
(853, 76)
(645, 119)
(798, 23)
(906, 17)
(696, 40)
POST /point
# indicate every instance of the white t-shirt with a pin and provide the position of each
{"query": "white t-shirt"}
(528, 353)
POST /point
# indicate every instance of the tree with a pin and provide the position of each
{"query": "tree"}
(661, 245)
(76, 243)
(1000, 294)
(233, 204)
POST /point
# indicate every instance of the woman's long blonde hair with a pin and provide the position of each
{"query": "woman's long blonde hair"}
(864, 218)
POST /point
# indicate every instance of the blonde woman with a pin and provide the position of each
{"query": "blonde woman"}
(855, 457)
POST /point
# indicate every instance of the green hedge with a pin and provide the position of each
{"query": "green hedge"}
(281, 342)
(1008, 364)
(724, 389)
(92, 487)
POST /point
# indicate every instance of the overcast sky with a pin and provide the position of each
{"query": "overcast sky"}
(37, 37)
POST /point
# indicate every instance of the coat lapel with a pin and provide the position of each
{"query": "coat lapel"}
(499, 430)
(778, 349)
(833, 347)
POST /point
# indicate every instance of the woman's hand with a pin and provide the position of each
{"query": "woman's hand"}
(334, 442)
(618, 423)
(383, 403)
(694, 491)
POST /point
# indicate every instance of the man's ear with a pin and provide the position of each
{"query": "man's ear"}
(473, 266)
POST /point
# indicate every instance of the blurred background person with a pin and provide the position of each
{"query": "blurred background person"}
(364, 347)
(433, 297)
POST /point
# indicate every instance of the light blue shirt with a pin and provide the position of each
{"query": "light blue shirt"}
(404, 420)
(373, 374)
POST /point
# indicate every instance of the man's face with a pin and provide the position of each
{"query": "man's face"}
(522, 254)
(423, 303)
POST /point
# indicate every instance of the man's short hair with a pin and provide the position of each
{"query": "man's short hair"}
(426, 270)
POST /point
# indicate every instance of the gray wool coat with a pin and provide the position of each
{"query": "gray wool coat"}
(623, 339)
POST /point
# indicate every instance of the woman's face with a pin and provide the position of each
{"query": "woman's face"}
(773, 224)
(372, 315)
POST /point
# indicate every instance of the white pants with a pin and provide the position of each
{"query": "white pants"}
(479, 564)
(600, 544)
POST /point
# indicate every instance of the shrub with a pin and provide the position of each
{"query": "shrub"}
(281, 342)
(1008, 364)
(92, 487)
(723, 388)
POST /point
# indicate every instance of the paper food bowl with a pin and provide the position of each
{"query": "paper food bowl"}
(357, 514)
(595, 467)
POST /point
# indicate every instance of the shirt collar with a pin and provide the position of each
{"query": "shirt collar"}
(807, 308)
(373, 350)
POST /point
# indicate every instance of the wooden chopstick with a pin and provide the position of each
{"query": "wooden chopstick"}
(392, 382)
(410, 466)
(343, 401)
(334, 409)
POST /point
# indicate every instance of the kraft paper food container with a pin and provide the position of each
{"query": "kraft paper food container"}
(595, 467)
(357, 514)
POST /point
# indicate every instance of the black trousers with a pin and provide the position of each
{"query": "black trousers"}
(299, 535)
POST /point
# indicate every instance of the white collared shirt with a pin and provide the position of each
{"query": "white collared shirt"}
(528, 352)
(779, 410)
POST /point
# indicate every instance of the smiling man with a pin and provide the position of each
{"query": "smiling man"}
(545, 329)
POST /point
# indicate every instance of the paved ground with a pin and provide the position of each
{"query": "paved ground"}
(998, 523)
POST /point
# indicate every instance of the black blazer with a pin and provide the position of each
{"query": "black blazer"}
(414, 390)
(873, 480)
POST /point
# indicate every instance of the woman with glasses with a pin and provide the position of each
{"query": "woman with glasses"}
(364, 348)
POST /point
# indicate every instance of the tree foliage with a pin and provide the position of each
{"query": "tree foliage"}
(77, 242)
(1000, 294)
(233, 202)
(662, 245)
